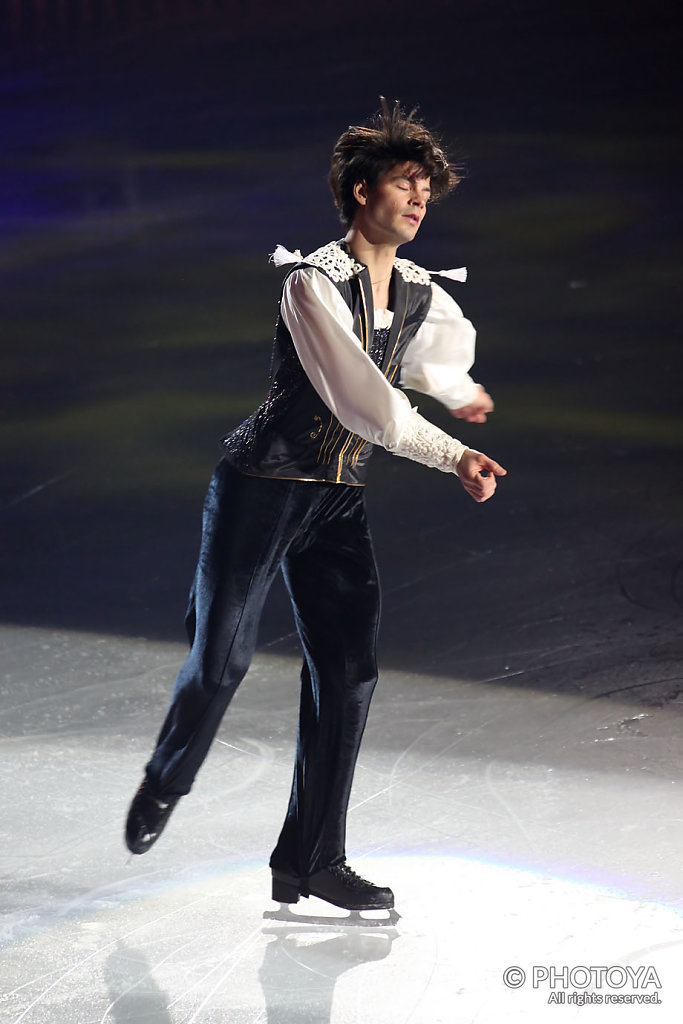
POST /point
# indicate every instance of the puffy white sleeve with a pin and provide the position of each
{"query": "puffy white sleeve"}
(440, 355)
(352, 387)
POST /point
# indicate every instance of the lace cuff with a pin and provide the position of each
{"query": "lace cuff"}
(425, 443)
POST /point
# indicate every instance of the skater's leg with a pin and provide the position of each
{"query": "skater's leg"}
(332, 580)
(248, 523)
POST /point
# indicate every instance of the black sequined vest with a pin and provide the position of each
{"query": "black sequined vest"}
(293, 435)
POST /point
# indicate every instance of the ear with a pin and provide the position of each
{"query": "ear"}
(360, 193)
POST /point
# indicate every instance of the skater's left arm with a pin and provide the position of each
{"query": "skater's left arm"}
(438, 360)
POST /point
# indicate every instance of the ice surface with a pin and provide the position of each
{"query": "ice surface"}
(518, 829)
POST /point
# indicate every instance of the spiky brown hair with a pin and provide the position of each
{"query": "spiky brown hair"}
(365, 152)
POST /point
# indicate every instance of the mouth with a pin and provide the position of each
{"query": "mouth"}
(412, 218)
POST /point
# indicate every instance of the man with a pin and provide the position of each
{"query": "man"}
(288, 496)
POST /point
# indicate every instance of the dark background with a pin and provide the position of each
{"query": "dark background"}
(153, 154)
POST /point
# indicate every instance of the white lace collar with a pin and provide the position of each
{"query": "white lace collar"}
(339, 265)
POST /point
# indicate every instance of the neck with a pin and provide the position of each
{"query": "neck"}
(378, 258)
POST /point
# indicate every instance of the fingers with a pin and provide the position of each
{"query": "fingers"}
(476, 411)
(465, 411)
(492, 467)
(476, 462)
(481, 488)
(478, 474)
(470, 413)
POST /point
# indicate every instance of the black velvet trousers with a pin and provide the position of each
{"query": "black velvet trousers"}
(317, 534)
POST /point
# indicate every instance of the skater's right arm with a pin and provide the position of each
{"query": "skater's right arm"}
(349, 383)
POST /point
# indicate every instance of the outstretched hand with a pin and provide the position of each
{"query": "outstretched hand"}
(478, 474)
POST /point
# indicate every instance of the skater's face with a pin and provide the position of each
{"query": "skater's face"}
(391, 212)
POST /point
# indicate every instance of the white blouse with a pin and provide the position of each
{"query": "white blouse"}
(436, 362)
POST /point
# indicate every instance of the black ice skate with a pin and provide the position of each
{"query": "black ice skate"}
(147, 818)
(338, 884)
